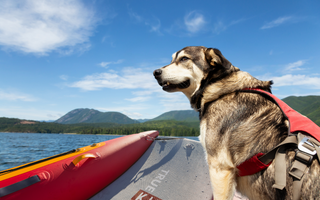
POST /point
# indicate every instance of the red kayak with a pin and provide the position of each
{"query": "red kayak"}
(77, 174)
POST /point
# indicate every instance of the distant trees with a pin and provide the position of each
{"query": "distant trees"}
(166, 127)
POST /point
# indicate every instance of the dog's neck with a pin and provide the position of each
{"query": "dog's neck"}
(233, 82)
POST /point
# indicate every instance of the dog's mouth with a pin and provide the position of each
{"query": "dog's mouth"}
(167, 86)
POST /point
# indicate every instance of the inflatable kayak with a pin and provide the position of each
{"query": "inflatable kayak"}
(77, 174)
(137, 167)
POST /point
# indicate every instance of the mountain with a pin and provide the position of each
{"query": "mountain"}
(179, 115)
(85, 115)
(306, 105)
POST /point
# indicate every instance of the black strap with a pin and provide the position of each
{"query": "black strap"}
(19, 185)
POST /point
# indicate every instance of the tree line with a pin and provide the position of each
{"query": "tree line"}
(166, 127)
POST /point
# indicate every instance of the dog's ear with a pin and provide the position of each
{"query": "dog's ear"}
(215, 59)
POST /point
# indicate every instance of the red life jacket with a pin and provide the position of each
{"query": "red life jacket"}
(297, 123)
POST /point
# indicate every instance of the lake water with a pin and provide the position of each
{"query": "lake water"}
(20, 148)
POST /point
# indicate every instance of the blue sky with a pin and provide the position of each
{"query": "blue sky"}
(59, 55)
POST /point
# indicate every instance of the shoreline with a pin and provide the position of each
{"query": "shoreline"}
(97, 134)
(59, 133)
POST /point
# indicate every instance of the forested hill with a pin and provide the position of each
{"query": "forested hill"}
(166, 128)
(85, 115)
(306, 105)
(179, 115)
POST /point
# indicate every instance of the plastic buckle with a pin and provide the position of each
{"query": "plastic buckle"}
(304, 157)
(304, 149)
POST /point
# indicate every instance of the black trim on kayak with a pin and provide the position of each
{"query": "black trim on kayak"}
(19, 185)
(35, 162)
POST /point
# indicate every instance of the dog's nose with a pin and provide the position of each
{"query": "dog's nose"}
(157, 72)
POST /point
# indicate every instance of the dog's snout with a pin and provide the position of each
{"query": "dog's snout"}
(157, 72)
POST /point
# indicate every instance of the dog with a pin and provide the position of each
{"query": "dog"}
(234, 125)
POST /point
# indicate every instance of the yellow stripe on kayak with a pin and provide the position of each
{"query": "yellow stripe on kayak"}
(8, 173)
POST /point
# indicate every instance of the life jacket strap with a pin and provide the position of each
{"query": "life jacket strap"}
(306, 149)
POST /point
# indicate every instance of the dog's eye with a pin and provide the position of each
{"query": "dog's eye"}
(184, 58)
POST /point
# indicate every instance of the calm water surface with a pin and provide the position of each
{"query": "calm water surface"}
(20, 148)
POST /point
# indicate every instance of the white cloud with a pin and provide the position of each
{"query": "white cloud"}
(219, 27)
(30, 113)
(194, 21)
(128, 79)
(131, 111)
(153, 22)
(135, 16)
(277, 22)
(295, 66)
(64, 77)
(294, 80)
(174, 101)
(155, 25)
(144, 88)
(143, 93)
(168, 102)
(105, 64)
(40, 27)
(139, 99)
(15, 96)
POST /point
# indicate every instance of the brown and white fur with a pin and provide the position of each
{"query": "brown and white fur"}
(234, 125)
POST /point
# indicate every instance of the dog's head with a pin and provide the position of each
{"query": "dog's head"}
(190, 67)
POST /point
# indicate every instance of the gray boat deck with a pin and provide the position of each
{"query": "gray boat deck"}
(171, 169)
